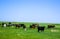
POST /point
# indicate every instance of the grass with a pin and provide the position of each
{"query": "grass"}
(13, 33)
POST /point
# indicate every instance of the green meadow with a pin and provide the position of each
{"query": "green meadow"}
(13, 33)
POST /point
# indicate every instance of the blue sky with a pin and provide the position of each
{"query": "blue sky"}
(30, 10)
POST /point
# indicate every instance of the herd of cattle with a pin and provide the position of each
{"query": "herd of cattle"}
(40, 28)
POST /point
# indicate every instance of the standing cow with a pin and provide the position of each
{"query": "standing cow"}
(41, 28)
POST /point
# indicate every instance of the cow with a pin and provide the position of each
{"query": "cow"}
(41, 28)
(21, 25)
(33, 26)
(17, 25)
(51, 26)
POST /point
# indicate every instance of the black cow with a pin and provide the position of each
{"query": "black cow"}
(21, 25)
(10, 23)
(41, 28)
(51, 26)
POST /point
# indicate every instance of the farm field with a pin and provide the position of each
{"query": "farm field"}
(13, 33)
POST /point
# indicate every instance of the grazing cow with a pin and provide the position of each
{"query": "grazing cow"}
(17, 25)
(21, 25)
(33, 25)
(51, 26)
(41, 28)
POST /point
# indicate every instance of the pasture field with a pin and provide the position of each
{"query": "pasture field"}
(13, 33)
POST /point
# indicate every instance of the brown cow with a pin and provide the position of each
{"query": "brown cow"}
(34, 26)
